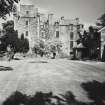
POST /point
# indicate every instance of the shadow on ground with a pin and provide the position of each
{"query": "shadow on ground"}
(3, 68)
(94, 89)
(38, 62)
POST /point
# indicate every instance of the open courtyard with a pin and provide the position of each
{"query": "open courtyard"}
(30, 75)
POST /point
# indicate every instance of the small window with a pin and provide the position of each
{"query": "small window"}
(27, 12)
(26, 22)
(26, 33)
(71, 44)
(57, 34)
(71, 36)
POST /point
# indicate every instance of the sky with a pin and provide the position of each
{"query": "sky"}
(87, 10)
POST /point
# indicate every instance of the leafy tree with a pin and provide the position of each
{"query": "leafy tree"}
(39, 47)
(6, 7)
(8, 26)
(10, 35)
(47, 47)
(101, 21)
(55, 45)
(91, 41)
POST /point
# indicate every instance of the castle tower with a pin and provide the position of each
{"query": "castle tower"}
(51, 22)
(25, 22)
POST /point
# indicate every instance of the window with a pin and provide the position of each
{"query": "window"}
(26, 22)
(71, 44)
(78, 27)
(26, 33)
(27, 12)
(82, 26)
(71, 35)
(57, 34)
(71, 27)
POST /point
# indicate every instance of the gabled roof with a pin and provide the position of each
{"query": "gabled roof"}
(102, 29)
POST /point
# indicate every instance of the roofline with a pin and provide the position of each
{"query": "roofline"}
(27, 5)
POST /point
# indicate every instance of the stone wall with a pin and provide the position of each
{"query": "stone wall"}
(26, 23)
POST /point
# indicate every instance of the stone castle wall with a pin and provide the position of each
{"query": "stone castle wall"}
(26, 23)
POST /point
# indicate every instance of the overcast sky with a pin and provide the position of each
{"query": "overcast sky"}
(87, 10)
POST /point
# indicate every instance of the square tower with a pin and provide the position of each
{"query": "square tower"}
(25, 22)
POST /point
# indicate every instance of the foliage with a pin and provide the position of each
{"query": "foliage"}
(91, 41)
(8, 26)
(6, 6)
(101, 21)
(39, 46)
(11, 37)
(47, 47)
(55, 45)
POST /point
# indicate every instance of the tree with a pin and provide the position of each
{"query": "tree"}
(8, 26)
(94, 43)
(39, 47)
(6, 7)
(101, 21)
(10, 35)
(55, 45)
(91, 42)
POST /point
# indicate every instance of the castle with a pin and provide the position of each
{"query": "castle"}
(30, 23)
